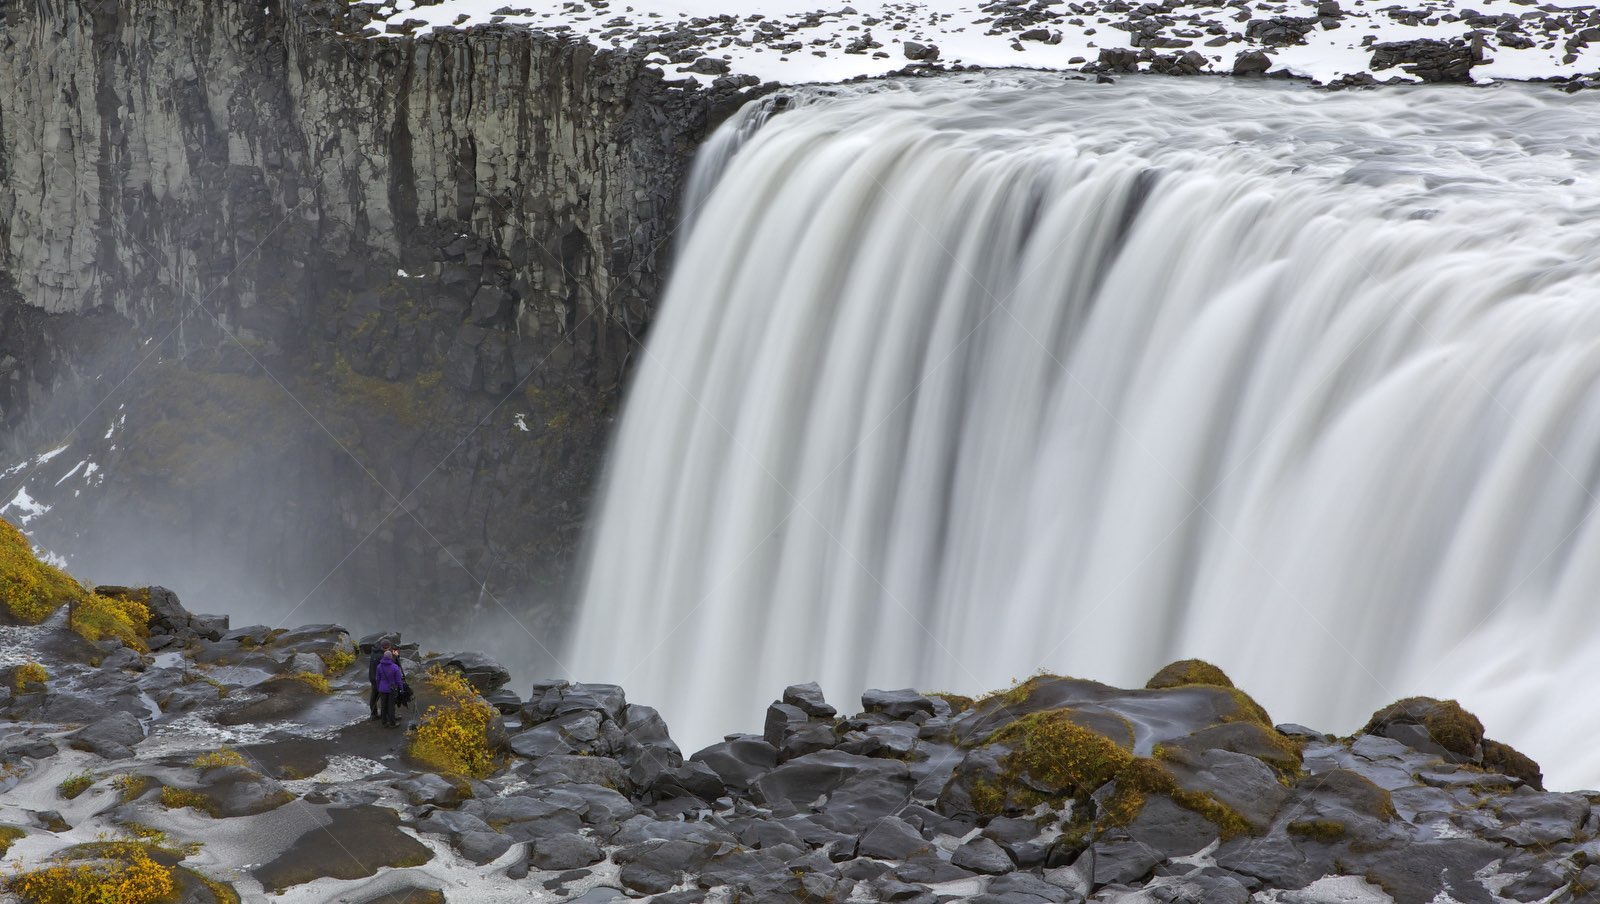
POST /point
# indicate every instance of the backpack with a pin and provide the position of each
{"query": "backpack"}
(404, 697)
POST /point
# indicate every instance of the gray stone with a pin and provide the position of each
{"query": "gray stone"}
(1117, 863)
(846, 792)
(483, 847)
(210, 627)
(982, 855)
(484, 673)
(1533, 818)
(565, 851)
(739, 761)
(1027, 884)
(112, 737)
(781, 720)
(430, 789)
(809, 700)
(898, 704)
(891, 838)
(452, 823)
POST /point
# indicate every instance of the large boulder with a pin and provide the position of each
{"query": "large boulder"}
(844, 792)
(1431, 726)
(112, 737)
(484, 673)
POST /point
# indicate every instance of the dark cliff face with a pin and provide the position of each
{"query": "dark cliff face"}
(332, 316)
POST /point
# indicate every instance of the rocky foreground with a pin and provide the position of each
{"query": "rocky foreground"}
(241, 764)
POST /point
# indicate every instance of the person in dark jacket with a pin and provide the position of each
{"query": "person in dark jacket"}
(390, 680)
(378, 650)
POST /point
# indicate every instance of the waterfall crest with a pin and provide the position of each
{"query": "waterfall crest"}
(955, 381)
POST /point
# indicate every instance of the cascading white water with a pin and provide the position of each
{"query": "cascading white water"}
(959, 380)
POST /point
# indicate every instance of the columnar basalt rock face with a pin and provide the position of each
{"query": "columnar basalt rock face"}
(411, 270)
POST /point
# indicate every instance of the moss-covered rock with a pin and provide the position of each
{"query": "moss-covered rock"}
(1506, 760)
(1251, 738)
(1185, 672)
(1421, 722)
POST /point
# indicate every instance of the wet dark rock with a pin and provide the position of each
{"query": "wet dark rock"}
(1531, 818)
(1014, 884)
(982, 855)
(1251, 62)
(1281, 30)
(808, 699)
(1123, 862)
(112, 737)
(897, 704)
(431, 789)
(739, 761)
(484, 673)
(370, 839)
(564, 852)
(891, 838)
(483, 847)
(857, 790)
(920, 52)
(782, 720)
(1430, 60)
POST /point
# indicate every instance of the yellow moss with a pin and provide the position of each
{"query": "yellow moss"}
(1250, 710)
(126, 874)
(96, 617)
(1049, 750)
(155, 839)
(130, 786)
(318, 683)
(191, 677)
(219, 758)
(1187, 672)
(337, 660)
(1019, 691)
(31, 590)
(75, 784)
(1142, 777)
(29, 674)
(958, 702)
(178, 798)
(221, 891)
(8, 836)
(453, 737)
(1447, 723)
(987, 797)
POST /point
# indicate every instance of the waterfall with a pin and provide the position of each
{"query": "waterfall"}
(960, 379)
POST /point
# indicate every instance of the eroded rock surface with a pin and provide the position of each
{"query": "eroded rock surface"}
(1057, 790)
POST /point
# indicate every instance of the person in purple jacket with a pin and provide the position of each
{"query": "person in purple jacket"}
(390, 680)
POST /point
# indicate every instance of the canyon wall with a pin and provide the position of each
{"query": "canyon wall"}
(323, 319)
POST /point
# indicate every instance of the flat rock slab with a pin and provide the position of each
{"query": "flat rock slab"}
(360, 841)
(285, 699)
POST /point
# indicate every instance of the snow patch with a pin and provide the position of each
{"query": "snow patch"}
(798, 42)
(26, 506)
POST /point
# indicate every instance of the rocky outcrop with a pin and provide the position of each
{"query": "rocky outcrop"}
(1056, 790)
(299, 295)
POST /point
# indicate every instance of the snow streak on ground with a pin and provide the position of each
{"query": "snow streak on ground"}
(795, 41)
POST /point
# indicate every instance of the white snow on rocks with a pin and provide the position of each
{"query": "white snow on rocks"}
(798, 41)
(23, 508)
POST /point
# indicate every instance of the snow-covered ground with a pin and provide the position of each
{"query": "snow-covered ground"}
(796, 41)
